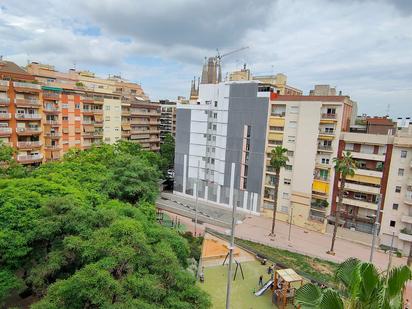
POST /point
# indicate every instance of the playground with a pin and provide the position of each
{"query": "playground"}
(246, 270)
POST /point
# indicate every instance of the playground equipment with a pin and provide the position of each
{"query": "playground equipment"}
(238, 265)
(286, 281)
(267, 285)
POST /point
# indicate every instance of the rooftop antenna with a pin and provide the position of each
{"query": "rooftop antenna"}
(273, 69)
(388, 108)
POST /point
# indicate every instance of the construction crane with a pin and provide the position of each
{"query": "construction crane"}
(219, 57)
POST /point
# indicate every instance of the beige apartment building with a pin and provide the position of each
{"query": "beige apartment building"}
(309, 127)
(167, 118)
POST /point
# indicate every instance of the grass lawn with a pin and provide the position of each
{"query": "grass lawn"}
(318, 269)
(242, 290)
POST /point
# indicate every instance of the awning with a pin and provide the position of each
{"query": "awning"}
(51, 88)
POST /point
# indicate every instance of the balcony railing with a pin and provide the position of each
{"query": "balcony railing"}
(49, 146)
(29, 102)
(319, 177)
(54, 122)
(28, 130)
(51, 95)
(26, 85)
(325, 147)
(4, 83)
(5, 130)
(29, 158)
(5, 115)
(51, 109)
(278, 114)
(28, 144)
(4, 101)
(28, 116)
(328, 116)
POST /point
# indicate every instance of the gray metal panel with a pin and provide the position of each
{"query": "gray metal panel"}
(182, 141)
(245, 108)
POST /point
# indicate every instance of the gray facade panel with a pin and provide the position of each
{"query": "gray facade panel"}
(182, 141)
(245, 108)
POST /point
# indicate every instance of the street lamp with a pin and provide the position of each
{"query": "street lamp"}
(376, 226)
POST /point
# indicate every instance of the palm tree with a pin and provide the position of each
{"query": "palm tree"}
(361, 286)
(277, 161)
(344, 166)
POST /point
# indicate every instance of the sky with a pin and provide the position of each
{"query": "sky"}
(363, 47)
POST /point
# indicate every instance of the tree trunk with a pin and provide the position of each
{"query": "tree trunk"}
(410, 256)
(275, 201)
(337, 213)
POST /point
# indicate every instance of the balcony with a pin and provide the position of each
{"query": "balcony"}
(370, 173)
(5, 131)
(52, 147)
(325, 135)
(27, 159)
(408, 197)
(51, 96)
(406, 219)
(4, 85)
(405, 235)
(28, 131)
(361, 188)
(321, 178)
(358, 203)
(97, 111)
(28, 145)
(367, 156)
(53, 135)
(328, 116)
(21, 86)
(53, 122)
(51, 110)
(4, 101)
(325, 148)
(87, 111)
(26, 116)
(5, 116)
(34, 103)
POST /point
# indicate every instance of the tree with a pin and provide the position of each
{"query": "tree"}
(167, 150)
(361, 286)
(277, 161)
(344, 166)
(82, 233)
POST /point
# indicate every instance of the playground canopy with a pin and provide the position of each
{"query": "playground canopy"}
(286, 293)
(289, 275)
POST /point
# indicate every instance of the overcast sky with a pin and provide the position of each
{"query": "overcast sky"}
(363, 47)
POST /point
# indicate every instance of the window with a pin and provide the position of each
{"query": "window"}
(290, 153)
(401, 172)
(215, 115)
(291, 139)
(325, 160)
(215, 103)
(292, 124)
(284, 209)
(65, 118)
(403, 153)
(214, 127)
(395, 206)
(213, 149)
(392, 223)
(398, 189)
(107, 118)
(285, 195)
(209, 125)
(77, 106)
(214, 138)
(286, 181)
(107, 107)
(274, 128)
(212, 161)
(331, 111)
(288, 167)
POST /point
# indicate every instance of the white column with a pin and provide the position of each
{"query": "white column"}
(218, 194)
(206, 192)
(195, 190)
(184, 173)
(245, 194)
(255, 198)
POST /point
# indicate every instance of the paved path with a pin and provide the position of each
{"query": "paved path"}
(257, 228)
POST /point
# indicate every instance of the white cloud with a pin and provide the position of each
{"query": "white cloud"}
(361, 46)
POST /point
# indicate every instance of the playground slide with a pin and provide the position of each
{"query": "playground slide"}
(264, 288)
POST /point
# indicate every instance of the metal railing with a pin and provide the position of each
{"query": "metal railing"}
(5, 130)
(5, 115)
(328, 116)
(4, 100)
(23, 158)
(26, 85)
(28, 144)
(28, 116)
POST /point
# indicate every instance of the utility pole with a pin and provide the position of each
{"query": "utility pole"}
(197, 194)
(376, 226)
(290, 221)
(232, 237)
(390, 258)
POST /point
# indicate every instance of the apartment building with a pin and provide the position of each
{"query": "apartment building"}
(21, 113)
(373, 155)
(227, 125)
(56, 111)
(397, 214)
(309, 128)
(280, 82)
(167, 118)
